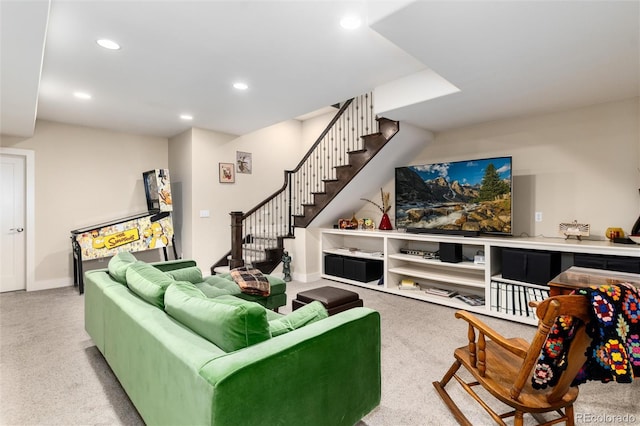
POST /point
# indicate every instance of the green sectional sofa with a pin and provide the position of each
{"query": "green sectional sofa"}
(217, 285)
(186, 357)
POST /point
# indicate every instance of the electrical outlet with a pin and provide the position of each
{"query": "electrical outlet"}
(538, 216)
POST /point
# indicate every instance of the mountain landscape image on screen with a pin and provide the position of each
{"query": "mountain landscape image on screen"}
(463, 196)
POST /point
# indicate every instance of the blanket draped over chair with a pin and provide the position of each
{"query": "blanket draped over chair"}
(614, 353)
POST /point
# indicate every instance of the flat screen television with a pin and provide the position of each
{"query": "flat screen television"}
(460, 197)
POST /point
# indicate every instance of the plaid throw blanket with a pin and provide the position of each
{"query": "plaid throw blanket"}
(614, 353)
(251, 281)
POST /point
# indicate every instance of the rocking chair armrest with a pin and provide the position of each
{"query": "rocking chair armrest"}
(489, 332)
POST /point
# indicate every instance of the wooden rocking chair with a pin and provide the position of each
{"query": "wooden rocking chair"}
(504, 367)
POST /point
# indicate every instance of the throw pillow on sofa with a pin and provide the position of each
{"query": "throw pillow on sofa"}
(119, 264)
(251, 281)
(226, 321)
(193, 274)
(273, 281)
(307, 314)
(148, 282)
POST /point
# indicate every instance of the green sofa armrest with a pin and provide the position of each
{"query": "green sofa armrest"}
(326, 373)
(95, 283)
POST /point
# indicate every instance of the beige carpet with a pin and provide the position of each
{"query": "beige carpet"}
(52, 374)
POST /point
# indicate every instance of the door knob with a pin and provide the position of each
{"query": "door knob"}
(17, 229)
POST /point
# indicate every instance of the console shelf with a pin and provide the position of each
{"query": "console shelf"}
(482, 282)
(356, 254)
(435, 262)
(432, 276)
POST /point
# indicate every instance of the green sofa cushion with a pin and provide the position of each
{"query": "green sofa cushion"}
(215, 286)
(193, 274)
(226, 321)
(119, 264)
(148, 282)
(302, 316)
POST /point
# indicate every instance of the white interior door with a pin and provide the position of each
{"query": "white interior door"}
(12, 223)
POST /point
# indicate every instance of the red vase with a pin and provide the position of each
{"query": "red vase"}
(385, 223)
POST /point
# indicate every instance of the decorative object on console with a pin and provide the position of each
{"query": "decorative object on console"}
(574, 229)
(368, 224)
(354, 222)
(385, 222)
(613, 233)
(345, 224)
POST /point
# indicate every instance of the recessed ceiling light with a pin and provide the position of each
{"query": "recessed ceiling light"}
(240, 85)
(108, 44)
(82, 95)
(186, 117)
(350, 22)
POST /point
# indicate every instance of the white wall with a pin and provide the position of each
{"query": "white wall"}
(575, 165)
(83, 176)
(582, 164)
(180, 155)
(86, 176)
(313, 127)
(273, 150)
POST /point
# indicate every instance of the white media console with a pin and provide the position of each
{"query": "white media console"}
(380, 261)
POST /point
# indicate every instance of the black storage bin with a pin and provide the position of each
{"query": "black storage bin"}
(362, 270)
(450, 252)
(334, 265)
(530, 266)
(611, 263)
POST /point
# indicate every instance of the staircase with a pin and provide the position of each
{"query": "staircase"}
(352, 138)
(357, 159)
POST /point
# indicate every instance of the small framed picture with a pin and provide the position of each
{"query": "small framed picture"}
(243, 162)
(227, 173)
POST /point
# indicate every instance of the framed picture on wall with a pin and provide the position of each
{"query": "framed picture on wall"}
(227, 173)
(243, 162)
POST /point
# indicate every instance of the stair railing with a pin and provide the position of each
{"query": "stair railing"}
(258, 230)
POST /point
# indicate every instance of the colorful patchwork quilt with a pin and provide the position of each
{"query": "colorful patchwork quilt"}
(614, 353)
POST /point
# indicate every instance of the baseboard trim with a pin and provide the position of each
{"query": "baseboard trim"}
(49, 284)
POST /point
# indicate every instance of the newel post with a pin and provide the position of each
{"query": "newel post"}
(236, 240)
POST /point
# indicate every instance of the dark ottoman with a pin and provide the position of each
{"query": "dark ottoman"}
(334, 299)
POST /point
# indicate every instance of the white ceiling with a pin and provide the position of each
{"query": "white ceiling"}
(508, 58)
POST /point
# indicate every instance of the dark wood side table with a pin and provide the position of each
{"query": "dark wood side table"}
(576, 277)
